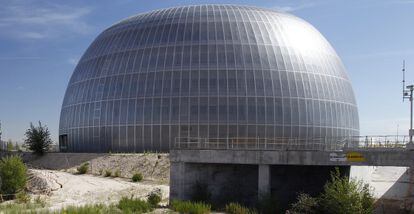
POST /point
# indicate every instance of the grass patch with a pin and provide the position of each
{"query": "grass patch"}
(22, 197)
(190, 207)
(91, 209)
(235, 208)
(125, 205)
(16, 208)
(131, 205)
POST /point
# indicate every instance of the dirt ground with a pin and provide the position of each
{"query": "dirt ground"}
(61, 189)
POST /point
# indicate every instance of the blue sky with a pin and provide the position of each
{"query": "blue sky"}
(41, 42)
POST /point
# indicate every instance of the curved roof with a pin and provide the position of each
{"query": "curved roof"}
(206, 71)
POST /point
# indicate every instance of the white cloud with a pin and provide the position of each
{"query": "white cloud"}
(32, 35)
(40, 20)
(297, 7)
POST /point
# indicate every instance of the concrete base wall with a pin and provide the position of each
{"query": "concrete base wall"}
(246, 183)
(392, 186)
(223, 182)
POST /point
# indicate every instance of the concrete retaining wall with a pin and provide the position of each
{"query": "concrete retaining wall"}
(392, 186)
(55, 161)
(152, 166)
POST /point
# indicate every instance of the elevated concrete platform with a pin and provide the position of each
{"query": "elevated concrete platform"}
(246, 175)
(362, 157)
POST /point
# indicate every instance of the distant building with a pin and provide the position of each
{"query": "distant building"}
(206, 71)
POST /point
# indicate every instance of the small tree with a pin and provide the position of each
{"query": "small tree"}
(38, 139)
(344, 196)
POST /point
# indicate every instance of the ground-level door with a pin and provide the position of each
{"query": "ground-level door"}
(63, 143)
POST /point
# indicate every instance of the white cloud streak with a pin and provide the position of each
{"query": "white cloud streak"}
(38, 20)
(293, 8)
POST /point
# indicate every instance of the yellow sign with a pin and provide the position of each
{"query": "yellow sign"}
(355, 157)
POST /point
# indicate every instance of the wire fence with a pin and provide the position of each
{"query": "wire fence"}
(312, 144)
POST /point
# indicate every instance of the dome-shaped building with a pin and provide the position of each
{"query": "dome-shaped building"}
(207, 71)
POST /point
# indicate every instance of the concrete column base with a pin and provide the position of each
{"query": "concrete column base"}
(177, 180)
(263, 180)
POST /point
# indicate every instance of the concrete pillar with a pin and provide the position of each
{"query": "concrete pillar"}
(264, 180)
(177, 179)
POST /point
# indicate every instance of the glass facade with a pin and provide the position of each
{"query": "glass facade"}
(211, 71)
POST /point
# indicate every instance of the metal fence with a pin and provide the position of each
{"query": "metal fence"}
(311, 144)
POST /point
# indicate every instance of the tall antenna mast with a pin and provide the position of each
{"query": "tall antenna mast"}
(408, 94)
(1, 142)
(403, 81)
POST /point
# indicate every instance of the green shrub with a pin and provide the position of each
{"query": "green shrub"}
(154, 198)
(304, 204)
(22, 197)
(117, 173)
(100, 171)
(12, 175)
(83, 168)
(131, 205)
(346, 196)
(235, 208)
(190, 207)
(108, 173)
(137, 177)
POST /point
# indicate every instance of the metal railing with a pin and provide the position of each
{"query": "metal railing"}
(311, 144)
